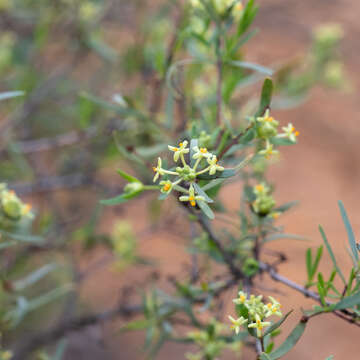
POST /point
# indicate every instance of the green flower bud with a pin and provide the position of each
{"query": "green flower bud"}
(133, 187)
(334, 73)
(12, 208)
(267, 130)
(204, 140)
(328, 35)
(263, 205)
(250, 267)
(187, 173)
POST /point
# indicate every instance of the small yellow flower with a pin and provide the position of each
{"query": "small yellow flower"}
(201, 153)
(191, 198)
(268, 151)
(261, 189)
(180, 150)
(290, 132)
(273, 308)
(259, 325)
(237, 323)
(166, 186)
(214, 165)
(241, 299)
(158, 170)
(267, 118)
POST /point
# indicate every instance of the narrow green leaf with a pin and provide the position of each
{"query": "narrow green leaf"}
(317, 260)
(289, 343)
(135, 325)
(206, 209)
(252, 66)
(212, 184)
(266, 95)
(332, 256)
(120, 198)
(10, 94)
(284, 236)
(350, 232)
(22, 237)
(309, 264)
(34, 276)
(265, 356)
(277, 324)
(202, 193)
(127, 177)
(281, 141)
(348, 302)
(287, 206)
(248, 17)
(219, 175)
(60, 350)
(193, 143)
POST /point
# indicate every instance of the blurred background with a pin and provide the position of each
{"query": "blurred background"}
(58, 153)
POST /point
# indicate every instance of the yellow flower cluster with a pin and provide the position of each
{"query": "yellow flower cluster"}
(186, 172)
(257, 310)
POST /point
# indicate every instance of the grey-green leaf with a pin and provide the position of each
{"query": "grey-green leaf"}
(266, 95)
(332, 256)
(206, 209)
(348, 302)
(202, 193)
(350, 232)
(10, 94)
(277, 324)
(252, 66)
(289, 343)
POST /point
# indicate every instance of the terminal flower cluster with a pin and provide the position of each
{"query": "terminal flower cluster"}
(258, 312)
(264, 202)
(205, 162)
(267, 129)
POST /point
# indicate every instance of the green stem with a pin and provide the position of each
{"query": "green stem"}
(151, 187)
(181, 189)
(182, 159)
(197, 163)
(170, 172)
(202, 171)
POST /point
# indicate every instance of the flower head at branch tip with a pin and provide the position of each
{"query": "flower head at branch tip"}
(200, 153)
(214, 165)
(181, 149)
(237, 323)
(268, 151)
(158, 170)
(166, 186)
(290, 132)
(191, 198)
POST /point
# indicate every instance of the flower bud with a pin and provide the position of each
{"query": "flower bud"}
(250, 267)
(133, 187)
(12, 207)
